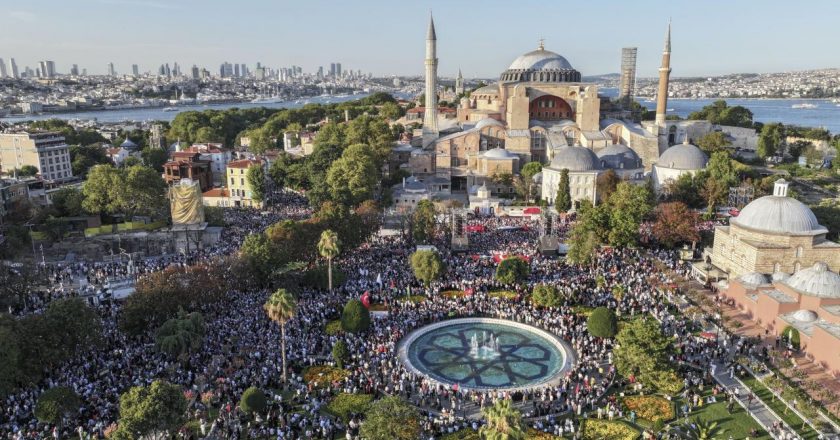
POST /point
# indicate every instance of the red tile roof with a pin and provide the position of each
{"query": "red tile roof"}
(244, 163)
(217, 192)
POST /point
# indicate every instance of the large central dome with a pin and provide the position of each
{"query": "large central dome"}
(540, 66)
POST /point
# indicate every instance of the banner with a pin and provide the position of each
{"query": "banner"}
(186, 203)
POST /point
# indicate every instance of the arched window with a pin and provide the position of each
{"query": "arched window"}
(799, 252)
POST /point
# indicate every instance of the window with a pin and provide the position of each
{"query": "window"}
(242, 181)
(799, 252)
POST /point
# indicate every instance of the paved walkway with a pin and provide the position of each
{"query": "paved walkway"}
(759, 411)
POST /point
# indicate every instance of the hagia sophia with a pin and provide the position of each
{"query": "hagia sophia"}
(773, 259)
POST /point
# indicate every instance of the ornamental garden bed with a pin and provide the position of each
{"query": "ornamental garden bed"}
(469, 434)
(504, 294)
(323, 375)
(345, 404)
(416, 299)
(453, 293)
(651, 408)
(378, 308)
(600, 429)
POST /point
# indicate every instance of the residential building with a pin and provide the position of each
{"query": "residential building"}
(46, 151)
(12, 193)
(240, 192)
(188, 165)
(217, 156)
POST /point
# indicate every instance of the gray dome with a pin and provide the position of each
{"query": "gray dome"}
(540, 59)
(816, 281)
(754, 279)
(499, 153)
(413, 185)
(492, 89)
(128, 144)
(778, 214)
(618, 156)
(488, 122)
(575, 159)
(683, 157)
(803, 315)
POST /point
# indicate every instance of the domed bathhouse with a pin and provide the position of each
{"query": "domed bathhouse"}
(680, 159)
(584, 167)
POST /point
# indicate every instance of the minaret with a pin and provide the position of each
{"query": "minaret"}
(430, 127)
(459, 83)
(664, 74)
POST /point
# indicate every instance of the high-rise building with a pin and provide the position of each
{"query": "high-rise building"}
(332, 70)
(243, 70)
(176, 69)
(13, 69)
(320, 73)
(627, 85)
(74, 70)
(48, 152)
(47, 69)
(338, 70)
(111, 70)
(135, 70)
(2, 68)
(430, 123)
(236, 70)
(226, 70)
(195, 72)
(167, 70)
(664, 74)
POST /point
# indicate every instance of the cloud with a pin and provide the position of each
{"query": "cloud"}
(142, 3)
(24, 16)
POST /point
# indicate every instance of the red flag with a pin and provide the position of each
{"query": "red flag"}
(366, 299)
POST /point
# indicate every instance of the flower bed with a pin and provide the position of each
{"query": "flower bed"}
(416, 299)
(650, 408)
(333, 327)
(378, 308)
(504, 294)
(595, 429)
(454, 293)
(323, 375)
(345, 404)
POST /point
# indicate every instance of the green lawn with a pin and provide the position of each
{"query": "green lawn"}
(766, 396)
(738, 424)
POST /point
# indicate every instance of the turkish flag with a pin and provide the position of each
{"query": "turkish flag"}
(366, 299)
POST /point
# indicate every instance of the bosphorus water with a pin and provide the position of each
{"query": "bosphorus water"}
(826, 114)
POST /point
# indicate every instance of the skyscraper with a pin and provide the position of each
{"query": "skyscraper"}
(338, 70)
(243, 70)
(47, 69)
(320, 73)
(236, 70)
(2, 68)
(111, 71)
(664, 74)
(74, 70)
(195, 72)
(628, 76)
(430, 128)
(135, 70)
(13, 69)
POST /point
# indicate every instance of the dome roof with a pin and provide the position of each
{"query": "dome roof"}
(816, 281)
(780, 276)
(575, 158)
(619, 156)
(488, 122)
(754, 279)
(540, 59)
(128, 144)
(803, 315)
(499, 153)
(683, 157)
(778, 214)
(413, 185)
(492, 89)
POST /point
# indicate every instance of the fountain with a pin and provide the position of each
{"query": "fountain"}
(488, 348)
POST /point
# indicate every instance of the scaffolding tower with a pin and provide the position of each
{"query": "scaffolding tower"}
(627, 87)
(740, 196)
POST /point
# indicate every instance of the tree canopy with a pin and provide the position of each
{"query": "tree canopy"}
(159, 408)
(391, 418)
(720, 113)
(427, 266)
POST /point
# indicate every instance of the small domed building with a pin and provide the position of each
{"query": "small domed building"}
(773, 234)
(676, 161)
(623, 160)
(584, 167)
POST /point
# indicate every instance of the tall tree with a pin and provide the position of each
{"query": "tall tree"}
(391, 418)
(352, 178)
(712, 142)
(256, 181)
(606, 183)
(56, 404)
(181, 335)
(675, 223)
(770, 140)
(426, 265)
(503, 422)
(423, 222)
(642, 350)
(563, 199)
(281, 308)
(143, 192)
(100, 190)
(328, 247)
(720, 167)
(153, 411)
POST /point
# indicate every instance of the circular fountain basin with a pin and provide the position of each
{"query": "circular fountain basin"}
(486, 354)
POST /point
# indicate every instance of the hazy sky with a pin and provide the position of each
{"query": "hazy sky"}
(387, 36)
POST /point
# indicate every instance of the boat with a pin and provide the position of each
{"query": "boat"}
(171, 109)
(804, 105)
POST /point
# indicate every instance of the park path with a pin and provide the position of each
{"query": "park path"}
(757, 409)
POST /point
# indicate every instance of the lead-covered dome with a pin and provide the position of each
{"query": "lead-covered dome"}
(684, 156)
(754, 279)
(541, 66)
(488, 122)
(499, 154)
(575, 158)
(816, 281)
(618, 156)
(778, 214)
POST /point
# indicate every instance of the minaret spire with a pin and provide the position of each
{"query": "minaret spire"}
(430, 122)
(664, 75)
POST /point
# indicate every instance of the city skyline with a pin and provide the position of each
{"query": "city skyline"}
(472, 39)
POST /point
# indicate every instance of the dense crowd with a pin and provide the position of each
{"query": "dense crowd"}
(242, 345)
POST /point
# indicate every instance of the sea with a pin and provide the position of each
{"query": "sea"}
(826, 114)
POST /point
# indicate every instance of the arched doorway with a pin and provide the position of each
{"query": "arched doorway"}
(550, 108)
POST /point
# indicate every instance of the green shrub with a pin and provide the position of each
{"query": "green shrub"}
(344, 404)
(602, 323)
(356, 317)
(545, 295)
(333, 327)
(253, 401)
(318, 277)
(340, 353)
(792, 335)
(512, 270)
(55, 404)
(427, 266)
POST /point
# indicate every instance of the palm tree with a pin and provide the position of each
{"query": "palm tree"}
(328, 248)
(702, 430)
(504, 422)
(280, 308)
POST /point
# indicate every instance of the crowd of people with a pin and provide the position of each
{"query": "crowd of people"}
(242, 349)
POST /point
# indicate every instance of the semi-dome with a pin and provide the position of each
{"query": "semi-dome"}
(816, 281)
(619, 156)
(803, 315)
(541, 66)
(499, 153)
(778, 214)
(488, 122)
(683, 157)
(575, 158)
(754, 279)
